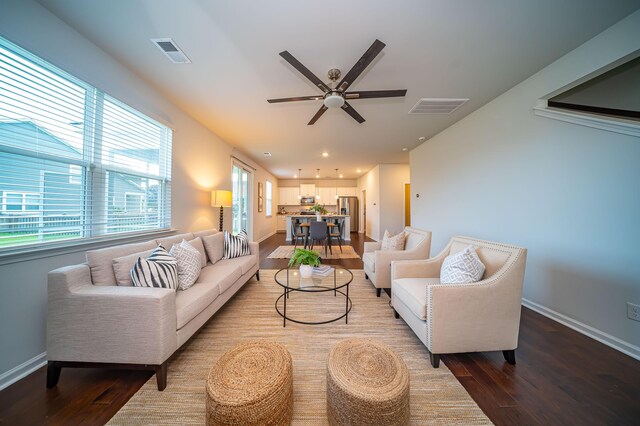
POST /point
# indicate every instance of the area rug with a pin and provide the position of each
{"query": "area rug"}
(436, 397)
(285, 252)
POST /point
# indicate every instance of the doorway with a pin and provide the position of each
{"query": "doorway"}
(407, 204)
(364, 211)
(241, 203)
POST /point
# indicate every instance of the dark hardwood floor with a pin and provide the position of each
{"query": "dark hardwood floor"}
(561, 378)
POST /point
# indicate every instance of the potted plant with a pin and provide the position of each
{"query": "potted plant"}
(307, 259)
(320, 210)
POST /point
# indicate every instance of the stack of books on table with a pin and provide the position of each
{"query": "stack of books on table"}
(322, 271)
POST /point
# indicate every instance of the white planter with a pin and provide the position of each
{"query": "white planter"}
(306, 271)
(318, 217)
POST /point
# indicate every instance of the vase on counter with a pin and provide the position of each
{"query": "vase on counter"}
(318, 216)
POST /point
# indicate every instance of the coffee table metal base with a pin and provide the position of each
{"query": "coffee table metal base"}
(284, 297)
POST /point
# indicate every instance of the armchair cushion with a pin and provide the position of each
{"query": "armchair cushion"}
(462, 267)
(413, 293)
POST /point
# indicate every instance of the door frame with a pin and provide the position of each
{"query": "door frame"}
(249, 196)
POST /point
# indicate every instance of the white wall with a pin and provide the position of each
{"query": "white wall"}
(568, 193)
(371, 183)
(201, 162)
(392, 180)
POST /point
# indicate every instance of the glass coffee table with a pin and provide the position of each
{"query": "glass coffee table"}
(291, 281)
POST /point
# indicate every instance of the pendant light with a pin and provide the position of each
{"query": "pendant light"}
(317, 184)
(336, 184)
(299, 194)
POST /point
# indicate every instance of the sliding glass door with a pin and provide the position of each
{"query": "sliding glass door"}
(241, 178)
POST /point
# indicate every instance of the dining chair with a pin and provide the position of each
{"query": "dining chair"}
(297, 232)
(336, 232)
(318, 232)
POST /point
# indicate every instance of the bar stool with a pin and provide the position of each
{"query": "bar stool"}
(336, 232)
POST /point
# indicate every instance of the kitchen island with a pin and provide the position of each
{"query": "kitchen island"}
(346, 230)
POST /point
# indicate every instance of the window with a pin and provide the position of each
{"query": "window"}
(75, 163)
(268, 198)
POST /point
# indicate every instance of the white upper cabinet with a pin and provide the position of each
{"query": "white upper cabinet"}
(327, 196)
(288, 196)
(308, 189)
(351, 191)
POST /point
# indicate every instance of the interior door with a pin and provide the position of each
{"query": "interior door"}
(241, 209)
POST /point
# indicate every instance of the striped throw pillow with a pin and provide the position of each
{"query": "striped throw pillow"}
(158, 270)
(236, 245)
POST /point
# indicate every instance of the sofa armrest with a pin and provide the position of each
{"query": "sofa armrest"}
(254, 248)
(370, 246)
(476, 317)
(108, 324)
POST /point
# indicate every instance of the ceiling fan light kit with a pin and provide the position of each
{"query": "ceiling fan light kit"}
(335, 95)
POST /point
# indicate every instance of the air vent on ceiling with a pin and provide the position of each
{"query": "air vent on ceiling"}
(266, 154)
(171, 49)
(437, 106)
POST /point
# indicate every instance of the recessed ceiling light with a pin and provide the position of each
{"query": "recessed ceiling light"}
(295, 176)
(325, 154)
(358, 170)
(422, 139)
(405, 149)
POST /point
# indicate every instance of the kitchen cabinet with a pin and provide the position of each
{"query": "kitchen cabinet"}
(281, 225)
(351, 191)
(288, 196)
(327, 196)
(308, 189)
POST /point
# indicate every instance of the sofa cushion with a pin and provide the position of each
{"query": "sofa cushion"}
(225, 274)
(159, 270)
(197, 244)
(194, 300)
(101, 261)
(462, 267)
(413, 293)
(168, 242)
(245, 262)
(205, 233)
(214, 246)
(369, 259)
(122, 266)
(189, 263)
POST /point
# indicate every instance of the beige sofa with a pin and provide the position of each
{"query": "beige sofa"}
(455, 318)
(377, 262)
(92, 321)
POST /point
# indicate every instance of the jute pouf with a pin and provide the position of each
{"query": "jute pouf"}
(367, 384)
(252, 384)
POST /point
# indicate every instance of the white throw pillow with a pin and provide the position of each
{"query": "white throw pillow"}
(189, 259)
(158, 270)
(395, 242)
(462, 267)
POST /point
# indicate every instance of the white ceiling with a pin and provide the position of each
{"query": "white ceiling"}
(455, 48)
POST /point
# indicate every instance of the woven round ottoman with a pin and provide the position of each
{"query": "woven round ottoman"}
(252, 384)
(367, 384)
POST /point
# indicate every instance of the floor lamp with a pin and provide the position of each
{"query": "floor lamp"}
(221, 198)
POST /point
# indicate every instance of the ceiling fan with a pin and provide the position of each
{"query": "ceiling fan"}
(336, 95)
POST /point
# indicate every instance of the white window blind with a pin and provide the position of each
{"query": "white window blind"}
(74, 162)
(269, 198)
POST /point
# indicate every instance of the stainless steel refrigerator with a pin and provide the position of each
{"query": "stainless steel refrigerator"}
(349, 205)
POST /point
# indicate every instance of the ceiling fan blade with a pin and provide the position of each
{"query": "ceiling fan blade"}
(362, 63)
(304, 71)
(368, 94)
(352, 112)
(318, 115)
(298, 98)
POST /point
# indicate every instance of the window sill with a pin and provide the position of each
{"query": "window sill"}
(33, 251)
(617, 125)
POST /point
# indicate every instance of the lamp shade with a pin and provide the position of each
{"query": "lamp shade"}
(221, 198)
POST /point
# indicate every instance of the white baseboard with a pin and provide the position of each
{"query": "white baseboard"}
(602, 337)
(22, 370)
(267, 236)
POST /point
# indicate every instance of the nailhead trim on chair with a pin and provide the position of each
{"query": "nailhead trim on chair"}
(498, 247)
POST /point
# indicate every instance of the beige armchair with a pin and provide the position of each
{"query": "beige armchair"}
(454, 318)
(377, 262)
